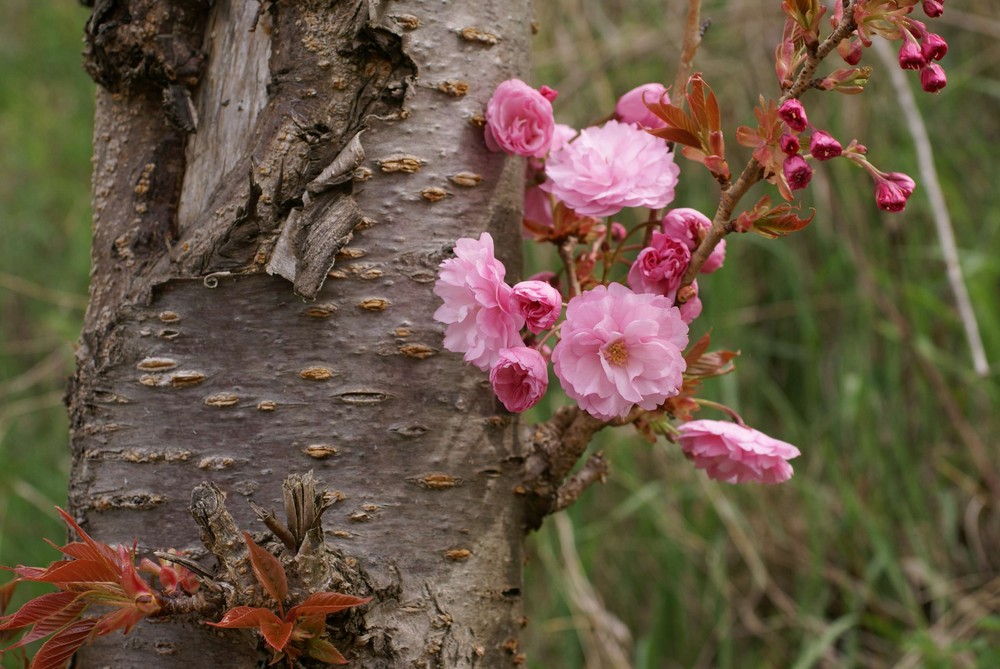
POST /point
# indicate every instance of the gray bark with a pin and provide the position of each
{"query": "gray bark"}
(273, 193)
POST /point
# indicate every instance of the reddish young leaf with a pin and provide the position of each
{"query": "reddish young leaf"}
(38, 609)
(324, 651)
(47, 626)
(276, 633)
(70, 571)
(6, 592)
(715, 363)
(268, 570)
(54, 652)
(697, 349)
(89, 549)
(324, 603)
(245, 617)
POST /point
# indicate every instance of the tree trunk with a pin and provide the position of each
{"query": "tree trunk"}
(275, 185)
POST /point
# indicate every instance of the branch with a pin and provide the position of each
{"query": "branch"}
(722, 224)
(692, 40)
(594, 470)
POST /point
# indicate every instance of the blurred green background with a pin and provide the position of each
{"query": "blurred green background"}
(883, 551)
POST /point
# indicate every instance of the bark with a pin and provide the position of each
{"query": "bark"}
(274, 185)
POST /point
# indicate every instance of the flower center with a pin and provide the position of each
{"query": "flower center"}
(616, 353)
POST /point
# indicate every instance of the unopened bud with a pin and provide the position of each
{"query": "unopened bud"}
(797, 172)
(933, 47)
(794, 114)
(911, 57)
(850, 51)
(933, 8)
(618, 231)
(822, 146)
(549, 94)
(932, 78)
(790, 144)
(892, 191)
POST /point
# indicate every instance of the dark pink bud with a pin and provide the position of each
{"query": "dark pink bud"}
(823, 146)
(797, 172)
(903, 181)
(850, 51)
(794, 114)
(932, 78)
(549, 94)
(911, 57)
(933, 8)
(890, 196)
(790, 144)
(618, 231)
(933, 47)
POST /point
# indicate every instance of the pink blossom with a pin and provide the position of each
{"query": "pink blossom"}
(660, 266)
(519, 377)
(933, 47)
(797, 172)
(789, 144)
(631, 107)
(538, 302)
(892, 190)
(911, 57)
(619, 349)
(690, 225)
(794, 115)
(933, 8)
(608, 168)
(618, 232)
(822, 146)
(932, 78)
(519, 120)
(561, 136)
(735, 453)
(476, 307)
(691, 309)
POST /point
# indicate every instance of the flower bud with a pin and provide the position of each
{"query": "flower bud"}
(932, 78)
(933, 8)
(549, 94)
(797, 172)
(790, 144)
(892, 191)
(903, 181)
(794, 114)
(850, 51)
(519, 378)
(911, 57)
(933, 47)
(538, 302)
(618, 231)
(822, 146)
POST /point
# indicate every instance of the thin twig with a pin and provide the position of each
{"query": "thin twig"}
(689, 47)
(935, 195)
(594, 470)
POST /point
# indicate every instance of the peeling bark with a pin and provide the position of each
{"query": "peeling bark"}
(273, 193)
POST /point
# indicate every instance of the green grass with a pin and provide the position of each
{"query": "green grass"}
(884, 549)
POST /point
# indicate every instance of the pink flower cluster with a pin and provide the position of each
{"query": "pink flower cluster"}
(619, 347)
(484, 317)
(600, 171)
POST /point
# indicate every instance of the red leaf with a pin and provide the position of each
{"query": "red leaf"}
(697, 349)
(268, 570)
(276, 633)
(38, 609)
(56, 651)
(45, 627)
(324, 651)
(6, 592)
(70, 571)
(678, 136)
(324, 603)
(89, 549)
(245, 617)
